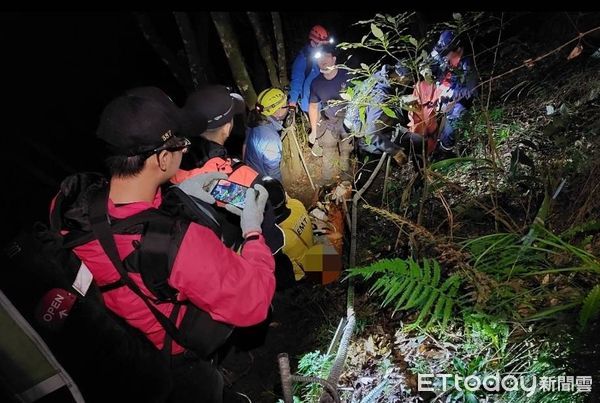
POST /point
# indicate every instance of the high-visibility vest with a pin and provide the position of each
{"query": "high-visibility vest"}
(297, 228)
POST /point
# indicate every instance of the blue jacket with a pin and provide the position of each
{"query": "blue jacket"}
(300, 83)
(463, 77)
(373, 134)
(264, 148)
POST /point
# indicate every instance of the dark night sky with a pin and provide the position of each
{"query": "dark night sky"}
(60, 71)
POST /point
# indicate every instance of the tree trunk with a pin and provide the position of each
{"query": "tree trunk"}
(168, 57)
(202, 27)
(234, 57)
(264, 47)
(281, 63)
(191, 49)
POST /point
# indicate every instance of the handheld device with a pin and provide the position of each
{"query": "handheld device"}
(229, 192)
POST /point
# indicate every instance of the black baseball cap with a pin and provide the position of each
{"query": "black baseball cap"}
(215, 105)
(138, 121)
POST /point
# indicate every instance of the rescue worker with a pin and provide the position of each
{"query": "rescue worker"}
(263, 146)
(326, 114)
(305, 70)
(379, 128)
(217, 105)
(456, 80)
(144, 152)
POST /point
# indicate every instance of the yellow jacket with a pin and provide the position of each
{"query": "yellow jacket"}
(298, 235)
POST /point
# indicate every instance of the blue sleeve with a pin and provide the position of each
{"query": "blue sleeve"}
(272, 159)
(437, 65)
(298, 70)
(465, 85)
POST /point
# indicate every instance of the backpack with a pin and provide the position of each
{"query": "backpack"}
(42, 280)
(105, 356)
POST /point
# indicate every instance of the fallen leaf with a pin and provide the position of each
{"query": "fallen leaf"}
(575, 52)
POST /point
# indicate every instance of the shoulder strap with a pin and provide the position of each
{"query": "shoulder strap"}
(77, 238)
(100, 223)
(154, 253)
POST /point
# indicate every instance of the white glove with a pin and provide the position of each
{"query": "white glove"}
(312, 137)
(195, 186)
(254, 210)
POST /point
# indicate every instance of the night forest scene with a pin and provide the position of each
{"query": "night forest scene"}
(284, 207)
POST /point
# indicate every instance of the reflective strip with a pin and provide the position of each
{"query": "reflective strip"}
(42, 389)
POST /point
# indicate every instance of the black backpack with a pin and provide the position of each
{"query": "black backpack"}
(105, 355)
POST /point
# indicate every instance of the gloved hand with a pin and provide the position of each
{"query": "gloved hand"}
(196, 185)
(290, 118)
(254, 210)
(312, 136)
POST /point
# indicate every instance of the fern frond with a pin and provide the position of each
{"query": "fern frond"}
(591, 307)
(407, 284)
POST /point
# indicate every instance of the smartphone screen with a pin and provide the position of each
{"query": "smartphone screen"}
(230, 193)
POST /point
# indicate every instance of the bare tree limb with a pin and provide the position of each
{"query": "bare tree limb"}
(530, 62)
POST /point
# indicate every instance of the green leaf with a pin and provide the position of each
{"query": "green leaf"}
(413, 42)
(362, 114)
(377, 32)
(591, 307)
(388, 112)
(470, 397)
(451, 161)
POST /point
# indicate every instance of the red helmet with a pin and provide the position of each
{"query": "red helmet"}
(318, 34)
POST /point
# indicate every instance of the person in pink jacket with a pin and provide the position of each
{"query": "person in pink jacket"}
(140, 131)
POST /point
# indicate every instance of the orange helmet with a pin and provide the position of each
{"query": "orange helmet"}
(318, 34)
